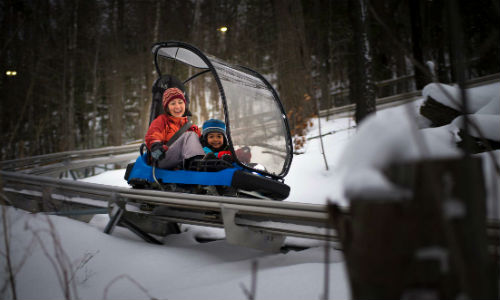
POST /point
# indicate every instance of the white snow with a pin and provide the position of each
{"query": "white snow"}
(487, 126)
(492, 108)
(113, 177)
(121, 266)
(449, 95)
(46, 249)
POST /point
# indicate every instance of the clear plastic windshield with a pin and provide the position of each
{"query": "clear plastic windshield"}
(256, 123)
(185, 55)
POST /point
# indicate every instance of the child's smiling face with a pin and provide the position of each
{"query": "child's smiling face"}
(215, 139)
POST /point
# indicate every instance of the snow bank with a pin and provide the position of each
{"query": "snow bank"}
(394, 137)
(487, 126)
(391, 136)
(484, 106)
(449, 95)
(492, 108)
(121, 266)
(113, 177)
(398, 135)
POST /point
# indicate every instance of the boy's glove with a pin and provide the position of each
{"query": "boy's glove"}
(157, 152)
(228, 158)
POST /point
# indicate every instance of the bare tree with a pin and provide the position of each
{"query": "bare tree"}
(361, 86)
(72, 48)
(292, 65)
(417, 44)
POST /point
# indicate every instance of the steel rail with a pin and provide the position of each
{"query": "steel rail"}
(291, 213)
(311, 218)
(154, 195)
(313, 231)
(40, 160)
(56, 168)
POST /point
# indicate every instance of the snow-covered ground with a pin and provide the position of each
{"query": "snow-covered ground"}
(55, 257)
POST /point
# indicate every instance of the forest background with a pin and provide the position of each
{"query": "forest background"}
(84, 68)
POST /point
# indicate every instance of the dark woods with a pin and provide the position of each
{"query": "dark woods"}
(84, 67)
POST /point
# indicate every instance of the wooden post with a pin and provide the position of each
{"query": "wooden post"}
(431, 244)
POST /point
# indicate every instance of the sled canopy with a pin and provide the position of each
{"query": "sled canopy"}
(256, 123)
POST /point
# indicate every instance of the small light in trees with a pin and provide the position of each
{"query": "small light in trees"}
(11, 73)
(222, 29)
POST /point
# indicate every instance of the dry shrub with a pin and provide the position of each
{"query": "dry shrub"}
(300, 122)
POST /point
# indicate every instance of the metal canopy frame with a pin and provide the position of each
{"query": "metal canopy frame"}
(192, 56)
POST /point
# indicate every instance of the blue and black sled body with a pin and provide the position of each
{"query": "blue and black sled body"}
(256, 126)
(226, 180)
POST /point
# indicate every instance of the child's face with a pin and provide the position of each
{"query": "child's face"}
(177, 107)
(215, 139)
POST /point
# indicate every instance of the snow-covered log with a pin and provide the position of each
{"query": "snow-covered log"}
(443, 105)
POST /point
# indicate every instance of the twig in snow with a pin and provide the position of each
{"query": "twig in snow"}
(60, 262)
(331, 132)
(86, 258)
(253, 285)
(7, 253)
(17, 268)
(326, 284)
(320, 135)
(125, 276)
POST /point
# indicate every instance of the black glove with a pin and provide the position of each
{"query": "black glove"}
(228, 158)
(157, 152)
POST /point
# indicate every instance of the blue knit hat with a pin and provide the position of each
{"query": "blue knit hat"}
(214, 125)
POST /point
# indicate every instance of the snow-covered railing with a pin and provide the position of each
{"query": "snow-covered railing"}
(384, 102)
(388, 101)
(55, 163)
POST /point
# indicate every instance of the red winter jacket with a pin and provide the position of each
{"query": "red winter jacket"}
(164, 127)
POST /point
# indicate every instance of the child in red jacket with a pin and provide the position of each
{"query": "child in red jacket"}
(187, 147)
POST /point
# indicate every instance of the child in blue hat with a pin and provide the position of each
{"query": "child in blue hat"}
(214, 140)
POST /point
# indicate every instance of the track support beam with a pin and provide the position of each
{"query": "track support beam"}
(117, 218)
(247, 237)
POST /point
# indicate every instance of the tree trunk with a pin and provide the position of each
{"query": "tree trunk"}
(92, 143)
(294, 73)
(116, 92)
(361, 86)
(70, 121)
(417, 43)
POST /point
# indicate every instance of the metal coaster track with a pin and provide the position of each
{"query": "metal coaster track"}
(32, 188)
